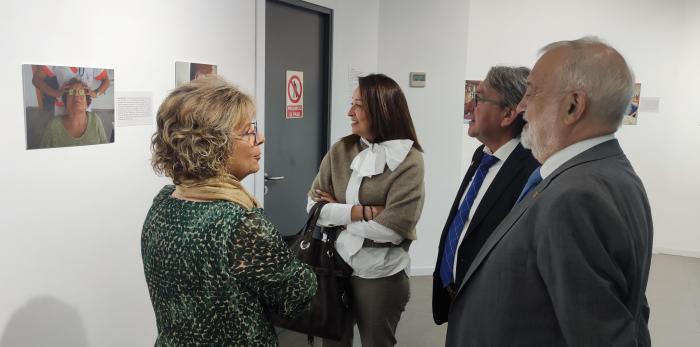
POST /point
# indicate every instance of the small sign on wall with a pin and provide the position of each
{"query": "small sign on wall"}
(295, 94)
(134, 108)
(416, 79)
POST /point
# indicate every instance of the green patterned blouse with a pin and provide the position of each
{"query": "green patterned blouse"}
(212, 266)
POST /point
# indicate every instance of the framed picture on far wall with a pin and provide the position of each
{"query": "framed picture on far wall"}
(633, 108)
(185, 72)
(469, 92)
(67, 106)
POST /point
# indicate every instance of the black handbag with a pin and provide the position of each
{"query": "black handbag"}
(330, 307)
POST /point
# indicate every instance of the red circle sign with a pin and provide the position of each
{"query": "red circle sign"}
(294, 89)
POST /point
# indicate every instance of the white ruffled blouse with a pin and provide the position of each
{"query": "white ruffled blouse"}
(368, 262)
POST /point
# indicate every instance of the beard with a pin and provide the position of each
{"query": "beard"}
(528, 139)
(539, 139)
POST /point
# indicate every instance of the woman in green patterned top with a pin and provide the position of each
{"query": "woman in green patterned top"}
(213, 263)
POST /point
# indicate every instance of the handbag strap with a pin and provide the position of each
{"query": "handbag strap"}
(310, 216)
(328, 243)
(312, 219)
(328, 247)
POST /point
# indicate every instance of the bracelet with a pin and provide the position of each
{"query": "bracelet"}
(364, 217)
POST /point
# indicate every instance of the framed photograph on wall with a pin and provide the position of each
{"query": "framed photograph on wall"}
(67, 106)
(469, 92)
(185, 72)
(632, 110)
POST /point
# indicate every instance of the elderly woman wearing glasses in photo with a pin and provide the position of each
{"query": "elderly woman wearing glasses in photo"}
(78, 126)
(212, 260)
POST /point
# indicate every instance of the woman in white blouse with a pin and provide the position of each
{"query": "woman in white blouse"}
(373, 183)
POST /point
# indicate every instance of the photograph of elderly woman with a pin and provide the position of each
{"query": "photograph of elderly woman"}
(185, 72)
(68, 106)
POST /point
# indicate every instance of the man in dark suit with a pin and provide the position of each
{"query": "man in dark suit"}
(569, 264)
(495, 178)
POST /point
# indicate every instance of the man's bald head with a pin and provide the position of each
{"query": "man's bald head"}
(598, 69)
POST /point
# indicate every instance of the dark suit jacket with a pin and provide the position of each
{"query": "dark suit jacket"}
(496, 203)
(568, 266)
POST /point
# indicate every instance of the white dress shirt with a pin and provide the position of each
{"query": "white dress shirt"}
(502, 154)
(559, 158)
(367, 262)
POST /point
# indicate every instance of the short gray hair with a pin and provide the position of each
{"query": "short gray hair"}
(601, 71)
(510, 82)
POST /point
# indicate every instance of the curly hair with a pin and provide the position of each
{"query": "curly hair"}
(195, 129)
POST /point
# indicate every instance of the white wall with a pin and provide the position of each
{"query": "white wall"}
(355, 25)
(660, 41)
(355, 45)
(676, 215)
(70, 218)
(70, 262)
(428, 36)
(455, 40)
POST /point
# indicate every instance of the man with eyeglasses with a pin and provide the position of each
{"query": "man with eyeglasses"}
(498, 171)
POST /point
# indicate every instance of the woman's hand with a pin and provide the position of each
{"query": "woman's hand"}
(365, 212)
(357, 213)
(377, 210)
(320, 196)
(373, 211)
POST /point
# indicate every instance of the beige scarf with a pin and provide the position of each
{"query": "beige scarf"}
(227, 188)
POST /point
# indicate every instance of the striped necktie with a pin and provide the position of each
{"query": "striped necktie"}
(460, 219)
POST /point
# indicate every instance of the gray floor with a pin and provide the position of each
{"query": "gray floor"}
(674, 296)
(673, 293)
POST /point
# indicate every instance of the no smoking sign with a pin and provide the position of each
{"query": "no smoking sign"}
(295, 94)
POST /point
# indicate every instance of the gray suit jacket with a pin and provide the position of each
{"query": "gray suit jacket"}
(567, 267)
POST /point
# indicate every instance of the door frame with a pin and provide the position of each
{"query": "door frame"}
(260, 5)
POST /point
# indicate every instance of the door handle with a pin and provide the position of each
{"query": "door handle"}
(277, 178)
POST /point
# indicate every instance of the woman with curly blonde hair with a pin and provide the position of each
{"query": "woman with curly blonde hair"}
(212, 260)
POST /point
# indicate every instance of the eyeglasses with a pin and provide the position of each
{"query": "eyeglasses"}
(78, 91)
(251, 134)
(477, 99)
